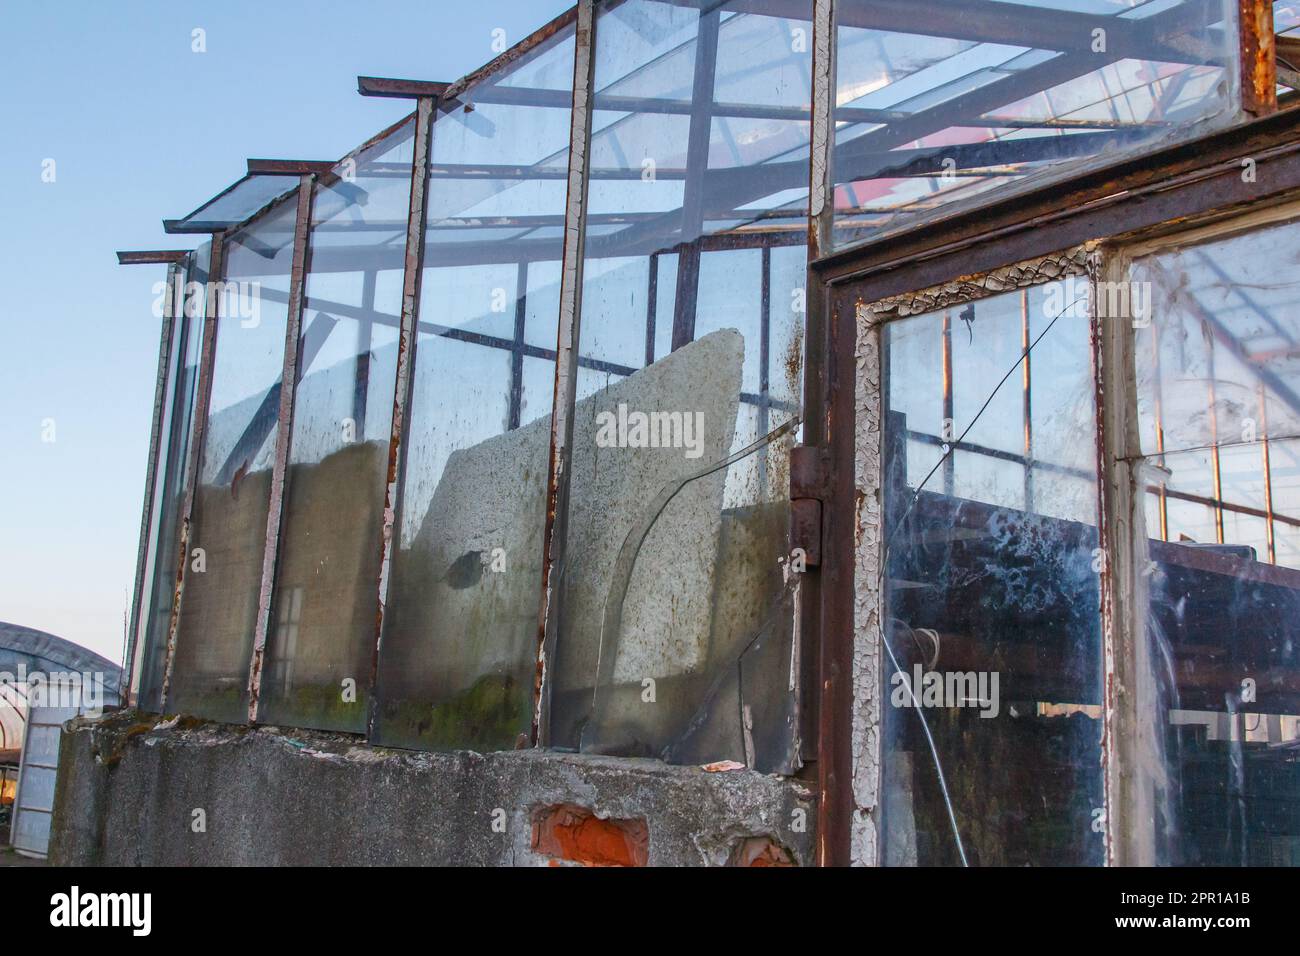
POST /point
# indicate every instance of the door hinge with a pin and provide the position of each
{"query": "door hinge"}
(809, 487)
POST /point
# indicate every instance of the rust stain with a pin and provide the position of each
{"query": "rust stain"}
(1258, 57)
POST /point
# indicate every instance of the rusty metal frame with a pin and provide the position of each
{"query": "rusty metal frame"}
(1158, 193)
(152, 257)
(202, 402)
(1180, 180)
(826, 660)
(290, 167)
(517, 54)
(412, 273)
(1258, 82)
(379, 86)
(862, 534)
(284, 434)
(160, 411)
(566, 364)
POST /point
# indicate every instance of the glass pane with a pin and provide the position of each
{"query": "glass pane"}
(238, 203)
(937, 103)
(460, 633)
(224, 573)
(1217, 387)
(320, 645)
(1219, 364)
(169, 480)
(993, 640)
(675, 635)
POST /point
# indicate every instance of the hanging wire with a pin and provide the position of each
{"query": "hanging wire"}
(884, 564)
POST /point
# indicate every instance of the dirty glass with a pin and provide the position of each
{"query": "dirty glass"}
(941, 102)
(231, 499)
(237, 204)
(460, 629)
(1286, 19)
(320, 643)
(169, 480)
(676, 590)
(1220, 571)
(992, 646)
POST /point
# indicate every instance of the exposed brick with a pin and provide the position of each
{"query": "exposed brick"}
(569, 832)
(760, 851)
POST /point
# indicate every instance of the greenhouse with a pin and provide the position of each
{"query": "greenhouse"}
(701, 383)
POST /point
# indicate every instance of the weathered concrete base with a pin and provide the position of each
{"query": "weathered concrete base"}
(135, 791)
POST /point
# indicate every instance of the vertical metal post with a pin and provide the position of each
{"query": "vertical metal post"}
(949, 425)
(412, 275)
(764, 409)
(517, 351)
(1158, 389)
(765, 347)
(160, 400)
(202, 402)
(365, 342)
(283, 437)
(1216, 466)
(566, 360)
(651, 309)
(829, 650)
(1131, 723)
(1268, 477)
(1028, 403)
(697, 165)
(1258, 57)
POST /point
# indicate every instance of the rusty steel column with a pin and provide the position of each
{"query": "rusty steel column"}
(1258, 57)
(412, 273)
(566, 361)
(164, 376)
(283, 437)
(826, 623)
(202, 400)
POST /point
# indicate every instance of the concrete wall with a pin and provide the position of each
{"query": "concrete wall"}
(130, 788)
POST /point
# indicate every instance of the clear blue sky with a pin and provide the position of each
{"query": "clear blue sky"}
(142, 128)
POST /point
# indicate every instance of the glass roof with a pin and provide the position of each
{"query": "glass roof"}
(236, 204)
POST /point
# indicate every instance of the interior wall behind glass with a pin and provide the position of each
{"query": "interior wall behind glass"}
(1219, 413)
(675, 636)
(320, 645)
(460, 630)
(992, 636)
(228, 534)
(939, 103)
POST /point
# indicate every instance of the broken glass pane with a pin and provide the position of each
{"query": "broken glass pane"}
(992, 643)
(320, 645)
(691, 351)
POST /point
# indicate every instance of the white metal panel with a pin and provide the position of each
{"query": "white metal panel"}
(30, 831)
